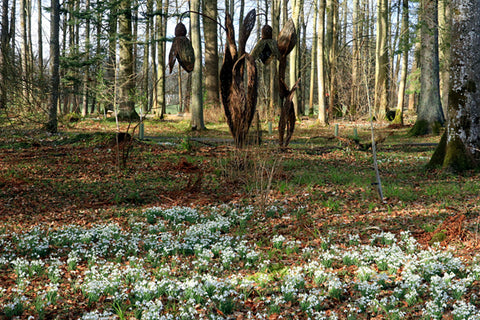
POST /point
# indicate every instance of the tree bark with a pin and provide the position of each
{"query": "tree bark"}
(4, 55)
(322, 110)
(430, 114)
(211, 53)
(313, 64)
(196, 122)
(274, 97)
(52, 124)
(404, 45)
(444, 26)
(294, 55)
(126, 76)
(381, 61)
(460, 149)
(355, 58)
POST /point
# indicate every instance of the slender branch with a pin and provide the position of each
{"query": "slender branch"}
(203, 15)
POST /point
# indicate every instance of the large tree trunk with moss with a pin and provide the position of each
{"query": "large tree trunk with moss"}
(460, 148)
(381, 61)
(126, 76)
(430, 114)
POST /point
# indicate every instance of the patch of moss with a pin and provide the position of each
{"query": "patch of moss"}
(438, 237)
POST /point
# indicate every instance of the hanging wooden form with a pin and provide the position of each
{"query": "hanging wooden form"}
(286, 42)
(181, 50)
(239, 102)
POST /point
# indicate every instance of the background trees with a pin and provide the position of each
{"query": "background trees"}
(112, 55)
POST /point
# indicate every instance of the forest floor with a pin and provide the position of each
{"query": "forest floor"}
(183, 225)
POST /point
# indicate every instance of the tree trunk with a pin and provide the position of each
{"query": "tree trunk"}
(211, 53)
(322, 110)
(460, 149)
(274, 97)
(430, 114)
(160, 105)
(40, 37)
(355, 57)
(444, 26)
(313, 65)
(51, 125)
(146, 58)
(404, 45)
(196, 122)
(86, 77)
(381, 61)
(126, 76)
(332, 52)
(293, 59)
(4, 55)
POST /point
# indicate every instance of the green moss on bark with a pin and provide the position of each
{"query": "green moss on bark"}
(423, 127)
(398, 117)
(457, 157)
(439, 155)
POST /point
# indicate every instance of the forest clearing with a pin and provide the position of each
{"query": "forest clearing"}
(192, 228)
(300, 159)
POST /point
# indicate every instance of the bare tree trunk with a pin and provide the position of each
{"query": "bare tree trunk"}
(332, 51)
(381, 61)
(161, 72)
(444, 36)
(4, 55)
(430, 114)
(211, 53)
(274, 97)
(355, 58)
(86, 77)
(52, 126)
(196, 122)
(293, 59)
(146, 58)
(126, 76)
(322, 110)
(313, 65)
(40, 37)
(404, 45)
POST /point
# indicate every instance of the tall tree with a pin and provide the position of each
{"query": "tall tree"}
(52, 124)
(313, 59)
(196, 107)
(86, 71)
(331, 45)
(294, 55)
(160, 101)
(444, 34)
(322, 110)
(126, 76)
(381, 61)
(404, 45)
(273, 87)
(4, 54)
(460, 146)
(430, 114)
(40, 37)
(211, 52)
(355, 56)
